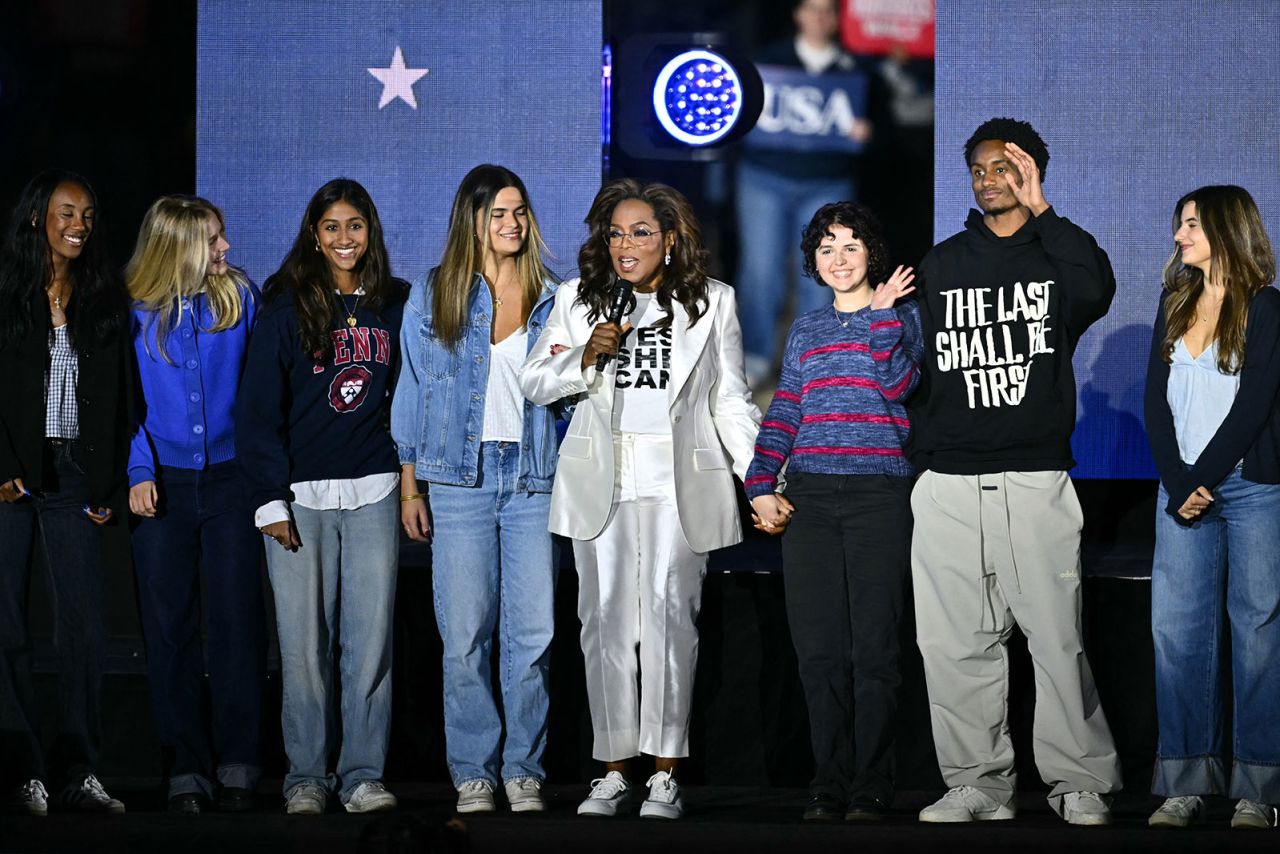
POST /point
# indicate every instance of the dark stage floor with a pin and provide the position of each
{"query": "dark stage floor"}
(718, 819)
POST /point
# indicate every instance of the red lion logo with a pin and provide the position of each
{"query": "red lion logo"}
(349, 388)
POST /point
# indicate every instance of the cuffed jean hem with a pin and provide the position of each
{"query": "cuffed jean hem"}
(329, 783)
(1256, 781)
(190, 784)
(239, 775)
(1191, 775)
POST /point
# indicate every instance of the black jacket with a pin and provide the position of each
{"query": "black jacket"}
(105, 397)
(1001, 318)
(1251, 429)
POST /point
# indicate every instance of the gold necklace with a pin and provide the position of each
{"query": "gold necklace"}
(351, 312)
(57, 300)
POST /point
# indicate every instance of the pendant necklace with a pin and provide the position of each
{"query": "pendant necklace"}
(351, 312)
(843, 320)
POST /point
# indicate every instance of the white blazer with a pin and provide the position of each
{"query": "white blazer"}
(713, 419)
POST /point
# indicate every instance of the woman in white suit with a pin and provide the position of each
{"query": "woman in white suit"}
(644, 484)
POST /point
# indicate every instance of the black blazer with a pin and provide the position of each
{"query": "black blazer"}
(105, 399)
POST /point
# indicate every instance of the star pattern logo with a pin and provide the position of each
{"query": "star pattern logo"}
(397, 81)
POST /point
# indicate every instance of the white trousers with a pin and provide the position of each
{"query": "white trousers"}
(640, 585)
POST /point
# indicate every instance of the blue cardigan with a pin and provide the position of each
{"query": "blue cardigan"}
(1251, 430)
(186, 407)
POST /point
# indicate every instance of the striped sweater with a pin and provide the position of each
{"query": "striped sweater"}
(840, 404)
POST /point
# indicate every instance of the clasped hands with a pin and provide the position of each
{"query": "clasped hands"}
(771, 513)
(1195, 504)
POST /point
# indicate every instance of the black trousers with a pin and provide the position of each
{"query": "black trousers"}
(204, 524)
(53, 521)
(846, 560)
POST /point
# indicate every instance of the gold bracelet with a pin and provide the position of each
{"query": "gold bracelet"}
(413, 497)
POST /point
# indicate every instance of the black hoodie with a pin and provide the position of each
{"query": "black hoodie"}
(1001, 318)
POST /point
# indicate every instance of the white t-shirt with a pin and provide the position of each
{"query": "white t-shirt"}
(503, 402)
(640, 402)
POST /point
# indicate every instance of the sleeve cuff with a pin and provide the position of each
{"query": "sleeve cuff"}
(139, 475)
(270, 513)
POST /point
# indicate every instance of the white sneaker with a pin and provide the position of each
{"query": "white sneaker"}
(306, 799)
(609, 795)
(525, 794)
(965, 803)
(1252, 815)
(475, 796)
(1178, 812)
(89, 796)
(31, 798)
(1085, 809)
(664, 797)
(371, 796)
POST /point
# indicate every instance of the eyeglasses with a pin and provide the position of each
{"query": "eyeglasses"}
(639, 238)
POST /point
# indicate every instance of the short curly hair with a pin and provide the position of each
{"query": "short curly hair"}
(1020, 133)
(865, 226)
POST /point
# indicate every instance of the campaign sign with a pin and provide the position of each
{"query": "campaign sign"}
(805, 112)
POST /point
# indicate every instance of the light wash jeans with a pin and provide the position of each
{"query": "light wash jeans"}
(492, 569)
(772, 213)
(339, 589)
(1223, 569)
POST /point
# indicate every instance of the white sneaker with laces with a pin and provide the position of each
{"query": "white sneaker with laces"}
(475, 796)
(965, 803)
(89, 796)
(525, 794)
(609, 795)
(31, 798)
(306, 799)
(664, 798)
(1085, 809)
(1252, 815)
(1181, 811)
(371, 796)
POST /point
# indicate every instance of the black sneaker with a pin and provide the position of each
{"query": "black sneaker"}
(864, 808)
(187, 803)
(235, 799)
(823, 807)
(88, 796)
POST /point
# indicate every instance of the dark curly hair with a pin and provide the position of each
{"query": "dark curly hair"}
(684, 280)
(98, 306)
(305, 274)
(1021, 134)
(862, 222)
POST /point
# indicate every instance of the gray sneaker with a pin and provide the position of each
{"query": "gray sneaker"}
(609, 795)
(30, 798)
(965, 803)
(525, 794)
(664, 798)
(1085, 809)
(306, 799)
(370, 796)
(1251, 815)
(89, 796)
(475, 796)
(1182, 811)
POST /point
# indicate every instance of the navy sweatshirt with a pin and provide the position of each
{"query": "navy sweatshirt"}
(1251, 430)
(1001, 318)
(297, 420)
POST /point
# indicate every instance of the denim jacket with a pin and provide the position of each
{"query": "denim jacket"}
(437, 413)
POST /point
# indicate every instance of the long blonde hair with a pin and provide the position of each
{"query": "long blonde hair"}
(1241, 258)
(171, 262)
(465, 249)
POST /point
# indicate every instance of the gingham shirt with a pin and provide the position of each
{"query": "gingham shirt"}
(61, 414)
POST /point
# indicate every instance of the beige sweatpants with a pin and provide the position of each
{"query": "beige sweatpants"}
(989, 550)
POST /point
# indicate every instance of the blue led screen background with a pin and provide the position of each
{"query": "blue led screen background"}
(1139, 102)
(286, 102)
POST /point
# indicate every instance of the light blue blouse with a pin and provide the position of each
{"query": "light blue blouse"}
(1199, 396)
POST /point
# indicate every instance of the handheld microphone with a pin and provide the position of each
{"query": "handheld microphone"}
(617, 307)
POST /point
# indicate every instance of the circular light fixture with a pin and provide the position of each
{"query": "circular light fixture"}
(697, 97)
